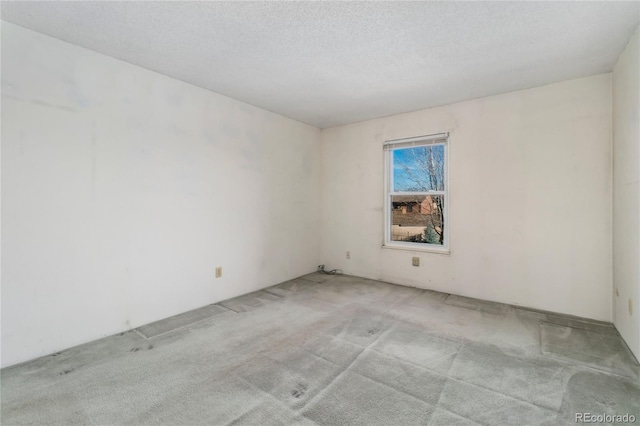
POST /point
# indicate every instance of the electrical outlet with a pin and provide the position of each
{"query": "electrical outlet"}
(348, 255)
(630, 307)
(218, 271)
(415, 261)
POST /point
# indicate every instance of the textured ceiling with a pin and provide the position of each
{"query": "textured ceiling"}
(332, 63)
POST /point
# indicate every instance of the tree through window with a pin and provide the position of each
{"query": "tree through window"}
(416, 192)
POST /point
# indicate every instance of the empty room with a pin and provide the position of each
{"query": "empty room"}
(320, 213)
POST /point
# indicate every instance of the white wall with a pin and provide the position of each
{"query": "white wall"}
(626, 193)
(123, 189)
(530, 198)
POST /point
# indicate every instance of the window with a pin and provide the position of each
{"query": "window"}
(416, 193)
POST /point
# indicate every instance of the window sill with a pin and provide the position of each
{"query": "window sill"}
(435, 250)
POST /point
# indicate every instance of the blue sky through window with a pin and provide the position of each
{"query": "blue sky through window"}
(419, 168)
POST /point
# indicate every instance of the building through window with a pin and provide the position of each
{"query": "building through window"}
(416, 192)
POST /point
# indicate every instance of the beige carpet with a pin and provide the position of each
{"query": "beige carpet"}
(335, 350)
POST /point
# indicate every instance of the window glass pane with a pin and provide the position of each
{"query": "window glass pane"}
(417, 218)
(418, 168)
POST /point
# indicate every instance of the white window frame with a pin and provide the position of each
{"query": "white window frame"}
(389, 147)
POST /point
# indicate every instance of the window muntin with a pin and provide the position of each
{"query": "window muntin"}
(416, 193)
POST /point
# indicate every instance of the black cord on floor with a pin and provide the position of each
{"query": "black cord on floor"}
(331, 272)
